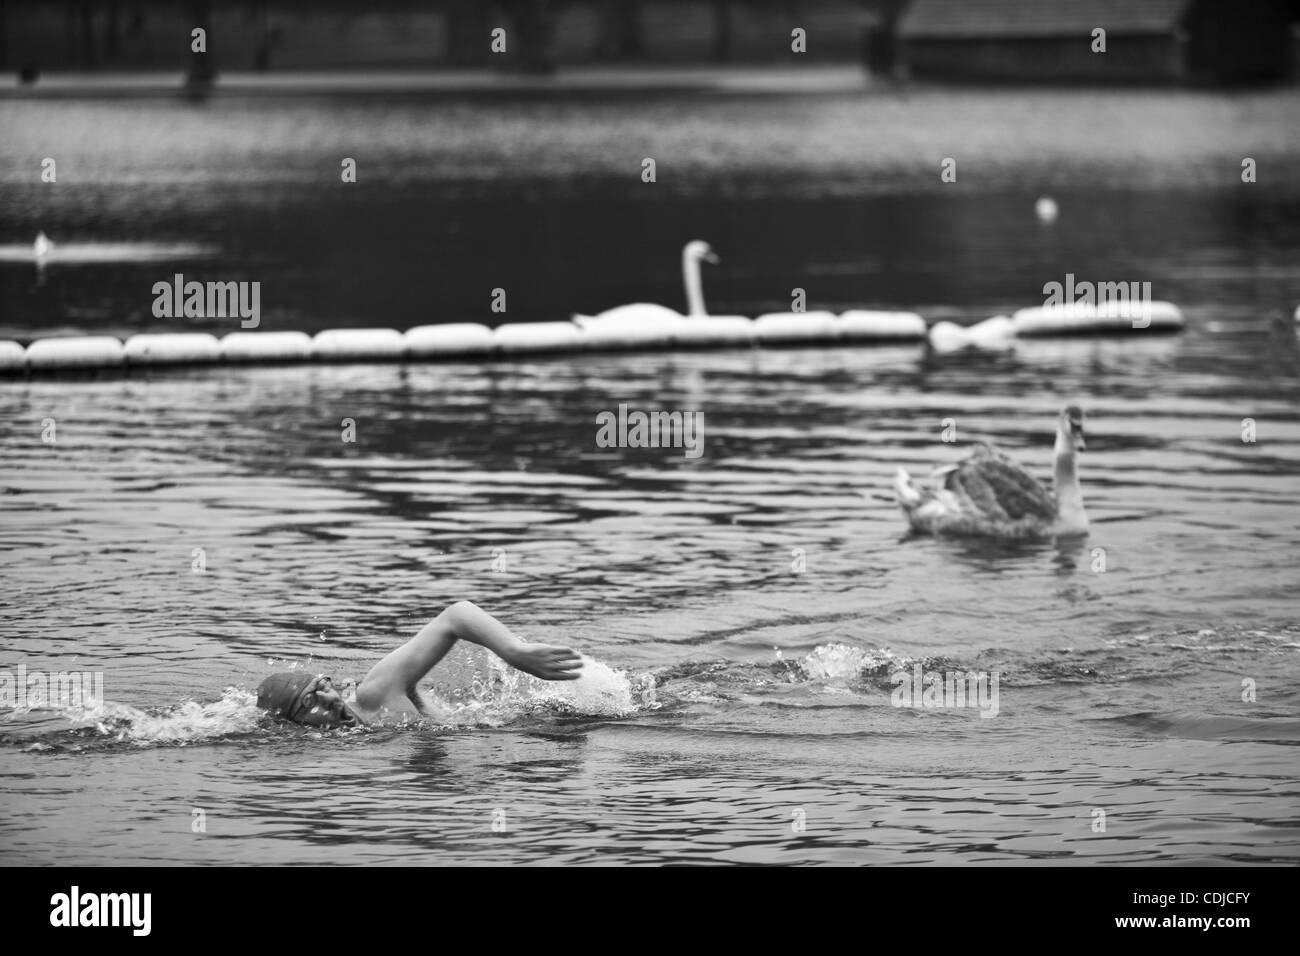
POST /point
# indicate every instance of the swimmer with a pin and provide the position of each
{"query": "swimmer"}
(389, 689)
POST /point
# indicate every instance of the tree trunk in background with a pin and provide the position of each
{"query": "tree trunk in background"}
(622, 30)
(112, 31)
(531, 44)
(87, 34)
(203, 69)
(540, 55)
(722, 39)
(881, 40)
(469, 29)
(262, 51)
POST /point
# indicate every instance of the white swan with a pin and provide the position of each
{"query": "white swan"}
(989, 495)
(645, 314)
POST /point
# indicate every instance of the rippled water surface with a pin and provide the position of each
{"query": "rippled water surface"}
(742, 612)
(741, 691)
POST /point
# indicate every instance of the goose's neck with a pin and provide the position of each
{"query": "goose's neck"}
(694, 285)
(1069, 496)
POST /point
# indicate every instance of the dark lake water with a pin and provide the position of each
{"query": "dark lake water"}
(742, 612)
(838, 195)
(416, 256)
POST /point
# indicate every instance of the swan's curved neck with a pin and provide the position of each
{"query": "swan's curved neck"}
(1069, 496)
(694, 285)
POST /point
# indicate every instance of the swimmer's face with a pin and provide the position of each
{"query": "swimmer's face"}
(321, 705)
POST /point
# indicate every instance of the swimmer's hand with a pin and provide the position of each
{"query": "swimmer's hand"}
(546, 661)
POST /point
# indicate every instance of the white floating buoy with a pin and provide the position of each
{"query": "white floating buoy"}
(947, 336)
(353, 345)
(796, 327)
(539, 337)
(1046, 209)
(868, 325)
(454, 338)
(637, 315)
(266, 347)
(606, 334)
(1072, 319)
(180, 348)
(701, 330)
(995, 333)
(13, 357)
(999, 330)
(74, 352)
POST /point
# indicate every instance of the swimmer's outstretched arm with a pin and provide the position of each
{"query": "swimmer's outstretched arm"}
(401, 670)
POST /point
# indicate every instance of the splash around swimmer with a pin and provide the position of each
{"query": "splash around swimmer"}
(389, 688)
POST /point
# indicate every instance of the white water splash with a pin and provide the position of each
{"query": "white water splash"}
(506, 694)
(236, 712)
(503, 696)
(840, 662)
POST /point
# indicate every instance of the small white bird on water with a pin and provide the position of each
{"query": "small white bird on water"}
(1046, 209)
(42, 247)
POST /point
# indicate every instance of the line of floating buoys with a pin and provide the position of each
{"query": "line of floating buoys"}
(180, 348)
(860, 324)
(701, 331)
(266, 347)
(358, 345)
(469, 339)
(997, 332)
(454, 338)
(13, 357)
(601, 335)
(538, 337)
(1109, 317)
(1114, 317)
(795, 327)
(81, 352)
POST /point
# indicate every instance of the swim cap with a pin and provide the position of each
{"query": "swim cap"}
(279, 693)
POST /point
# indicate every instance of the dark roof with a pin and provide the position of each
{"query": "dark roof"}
(1038, 18)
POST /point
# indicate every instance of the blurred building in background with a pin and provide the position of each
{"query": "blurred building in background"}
(1025, 40)
(1218, 41)
(330, 34)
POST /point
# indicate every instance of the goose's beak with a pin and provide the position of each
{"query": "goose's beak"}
(711, 258)
(1079, 443)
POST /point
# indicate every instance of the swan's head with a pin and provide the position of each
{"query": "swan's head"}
(1070, 427)
(697, 250)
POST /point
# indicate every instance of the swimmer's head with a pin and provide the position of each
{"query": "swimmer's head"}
(305, 698)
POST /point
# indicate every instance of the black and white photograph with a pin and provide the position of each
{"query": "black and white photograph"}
(651, 433)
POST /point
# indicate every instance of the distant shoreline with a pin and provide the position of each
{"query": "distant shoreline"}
(747, 80)
(776, 79)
